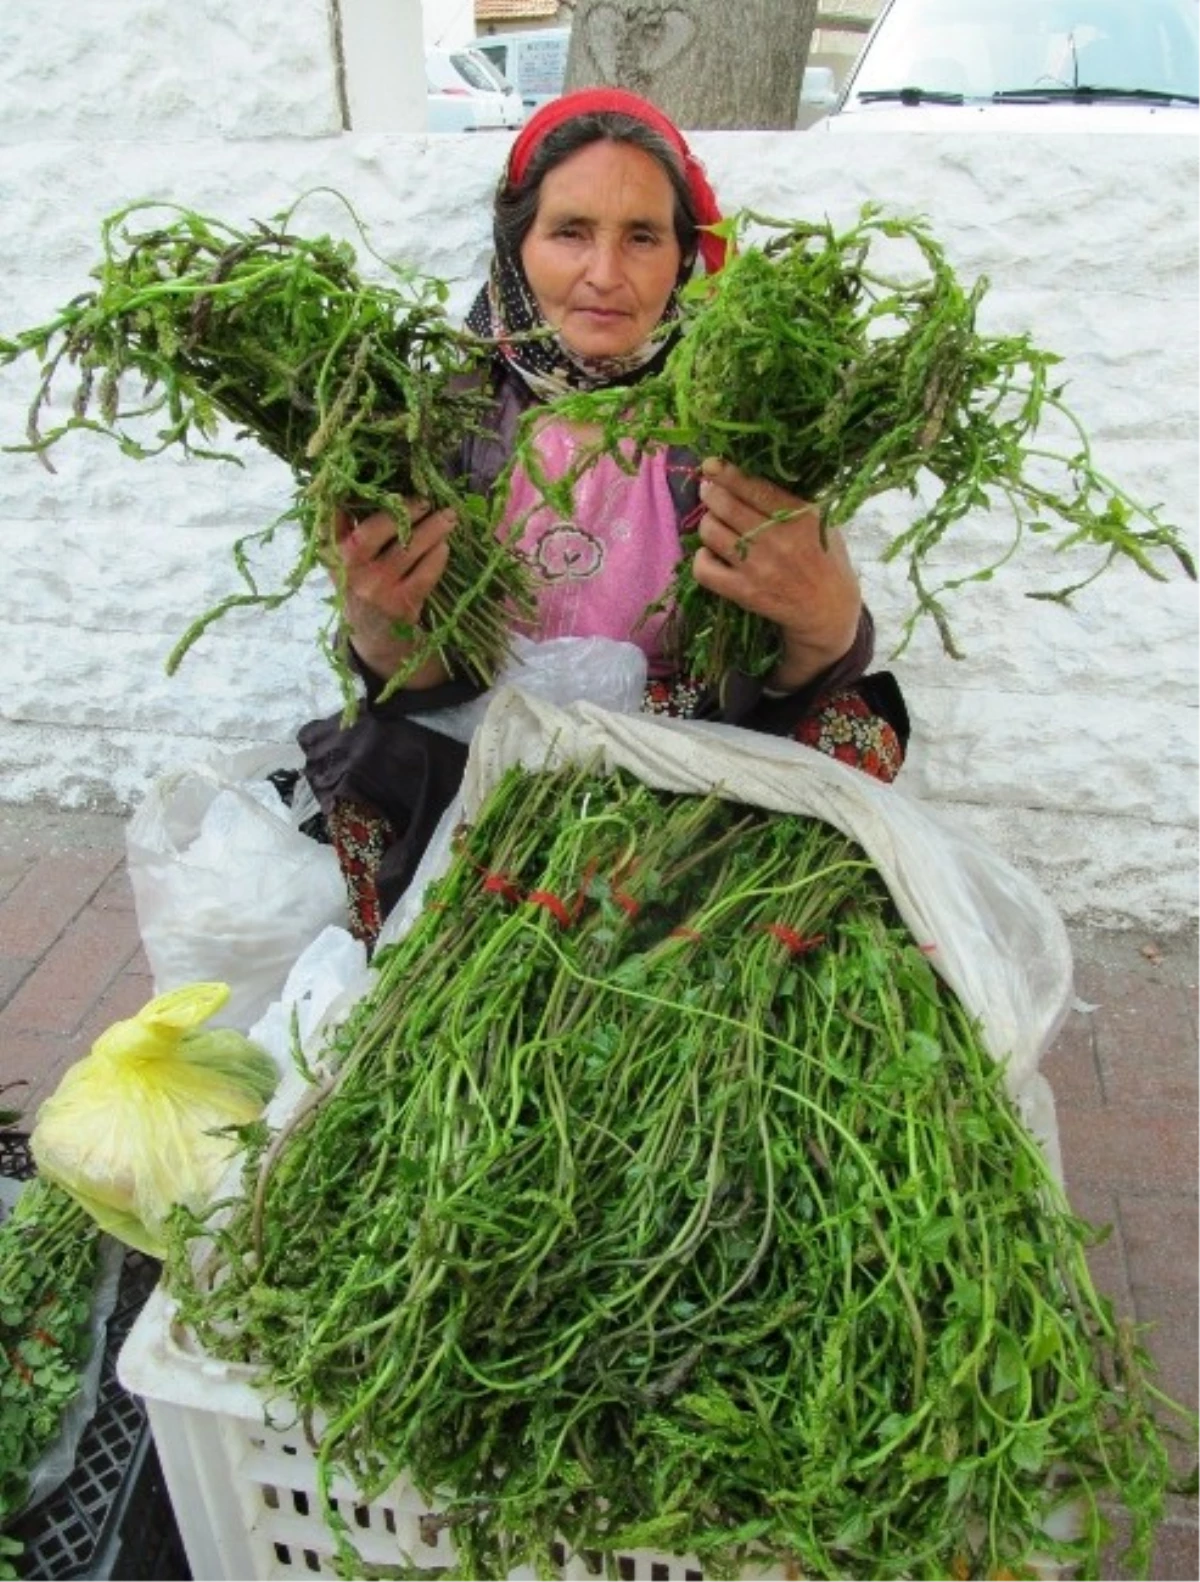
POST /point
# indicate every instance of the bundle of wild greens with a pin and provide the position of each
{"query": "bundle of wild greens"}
(363, 387)
(809, 362)
(49, 1261)
(659, 1197)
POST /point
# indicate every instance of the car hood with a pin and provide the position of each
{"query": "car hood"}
(1105, 116)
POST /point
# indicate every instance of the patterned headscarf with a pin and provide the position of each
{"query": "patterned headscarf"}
(506, 306)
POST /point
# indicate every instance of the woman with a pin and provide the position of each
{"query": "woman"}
(598, 222)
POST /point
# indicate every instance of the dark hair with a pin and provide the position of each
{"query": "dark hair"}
(517, 206)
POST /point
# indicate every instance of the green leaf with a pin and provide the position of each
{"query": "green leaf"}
(935, 1237)
(958, 1484)
(1045, 1341)
(1008, 1365)
(892, 1427)
(855, 1531)
(1028, 1449)
(967, 1296)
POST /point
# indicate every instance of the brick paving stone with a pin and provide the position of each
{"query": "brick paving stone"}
(41, 905)
(63, 987)
(1160, 1238)
(1143, 1149)
(1176, 1552)
(13, 970)
(124, 997)
(1145, 1048)
(13, 868)
(116, 893)
(1193, 999)
(1171, 1339)
(1174, 1555)
(37, 1062)
(1107, 1261)
(1069, 1065)
(1093, 983)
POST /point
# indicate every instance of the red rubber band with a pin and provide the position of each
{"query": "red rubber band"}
(797, 944)
(501, 884)
(553, 905)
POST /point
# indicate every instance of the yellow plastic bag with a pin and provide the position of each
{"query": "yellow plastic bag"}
(135, 1126)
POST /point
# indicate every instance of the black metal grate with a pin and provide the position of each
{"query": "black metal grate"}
(16, 1161)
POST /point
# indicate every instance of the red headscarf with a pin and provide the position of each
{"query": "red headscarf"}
(587, 101)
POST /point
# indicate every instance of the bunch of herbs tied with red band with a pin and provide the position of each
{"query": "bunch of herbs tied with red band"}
(361, 386)
(657, 1196)
(841, 365)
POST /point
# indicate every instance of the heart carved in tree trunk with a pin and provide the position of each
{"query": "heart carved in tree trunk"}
(630, 48)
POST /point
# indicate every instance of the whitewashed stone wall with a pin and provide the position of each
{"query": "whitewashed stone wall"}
(1066, 737)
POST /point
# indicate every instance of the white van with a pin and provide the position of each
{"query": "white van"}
(534, 62)
(1025, 66)
(465, 94)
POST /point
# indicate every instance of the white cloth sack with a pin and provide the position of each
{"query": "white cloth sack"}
(225, 885)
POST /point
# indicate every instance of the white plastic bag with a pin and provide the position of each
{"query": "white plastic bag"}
(330, 973)
(562, 670)
(226, 885)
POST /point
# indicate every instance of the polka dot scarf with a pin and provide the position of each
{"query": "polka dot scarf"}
(506, 311)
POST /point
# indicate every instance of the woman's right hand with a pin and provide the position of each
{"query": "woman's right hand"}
(387, 582)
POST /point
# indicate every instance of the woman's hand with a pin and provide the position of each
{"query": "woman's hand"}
(386, 582)
(785, 573)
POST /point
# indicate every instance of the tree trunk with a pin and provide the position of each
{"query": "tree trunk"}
(721, 64)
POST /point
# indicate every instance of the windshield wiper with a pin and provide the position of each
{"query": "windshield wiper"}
(908, 96)
(1087, 92)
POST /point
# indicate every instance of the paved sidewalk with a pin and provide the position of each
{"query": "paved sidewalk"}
(1124, 1072)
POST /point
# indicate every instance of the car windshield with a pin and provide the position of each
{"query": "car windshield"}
(475, 72)
(979, 49)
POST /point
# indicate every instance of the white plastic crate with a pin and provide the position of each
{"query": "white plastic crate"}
(245, 1493)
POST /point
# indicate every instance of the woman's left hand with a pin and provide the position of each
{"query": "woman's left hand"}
(783, 573)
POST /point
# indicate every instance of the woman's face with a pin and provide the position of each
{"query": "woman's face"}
(601, 255)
